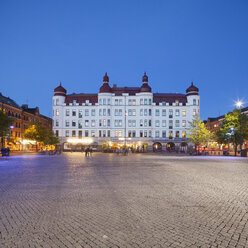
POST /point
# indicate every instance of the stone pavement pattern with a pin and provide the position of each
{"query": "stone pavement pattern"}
(117, 201)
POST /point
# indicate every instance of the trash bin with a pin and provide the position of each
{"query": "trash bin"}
(243, 153)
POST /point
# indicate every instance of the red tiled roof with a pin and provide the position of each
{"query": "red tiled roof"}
(169, 97)
(81, 98)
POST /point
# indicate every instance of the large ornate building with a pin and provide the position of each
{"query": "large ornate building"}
(124, 116)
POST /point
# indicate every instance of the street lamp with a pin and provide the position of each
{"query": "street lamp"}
(239, 105)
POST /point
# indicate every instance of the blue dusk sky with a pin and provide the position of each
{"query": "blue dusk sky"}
(76, 42)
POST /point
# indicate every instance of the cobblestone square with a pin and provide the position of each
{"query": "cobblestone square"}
(123, 201)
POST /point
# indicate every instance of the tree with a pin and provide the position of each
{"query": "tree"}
(198, 133)
(230, 129)
(5, 123)
(51, 138)
(39, 133)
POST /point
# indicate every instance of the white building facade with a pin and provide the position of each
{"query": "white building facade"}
(132, 116)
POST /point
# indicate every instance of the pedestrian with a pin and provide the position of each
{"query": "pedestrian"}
(86, 151)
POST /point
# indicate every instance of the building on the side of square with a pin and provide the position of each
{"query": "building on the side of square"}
(124, 115)
(22, 116)
(214, 124)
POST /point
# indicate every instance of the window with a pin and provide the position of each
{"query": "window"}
(183, 123)
(93, 123)
(129, 123)
(150, 112)
(133, 123)
(108, 123)
(100, 133)
(86, 112)
(73, 123)
(133, 134)
(86, 123)
(194, 112)
(163, 123)
(130, 112)
(80, 133)
(129, 134)
(170, 135)
(134, 112)
(194, 101)
(57, 112)
(67, 123)
(80, 124)
(145, 101)
(104, 123)
(86, 133)
(73, 112)
(120, 101)
(67, 133)
(116, 112)
(183, 113)
(93, 133)
(150, 123)
(57, 101)
(93, 112)
(120, 133)
(150, 133)
(74, 102)
(150, 101)
(141, 123)
(116, 101)
(170, 124)
(157, 112)
(100, 123)
(100, 102)
(145, 112)
(73, 133)
(177, 102)
(87, 102)
(141, 134)
(141, 101)
(183, 134)
(57, 133)
(164, 112)
(177, 123)
(145, 133)
(141, 112)
(109, 101)
(157, 134)
(163, 103)
(104, 112)
(104, 101)
(108, 112)
(100, 112)
(129, 102)
(177, 134)
(171, 113)
(145, 123)
(163, 134)
(116, 133)
(108, 133)
(133, 102)
(177, 112)
(157, 123)
(80, 113)
(57, 123)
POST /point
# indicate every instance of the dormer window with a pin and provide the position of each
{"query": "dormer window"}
(74, 102)
(177, 102)
(87, 102)
(164, 103)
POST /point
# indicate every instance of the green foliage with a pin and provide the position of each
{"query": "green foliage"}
(198, 133)
(40, 133)
(230, 129)
(5, 123)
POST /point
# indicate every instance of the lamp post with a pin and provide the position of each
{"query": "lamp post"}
(239, 105)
